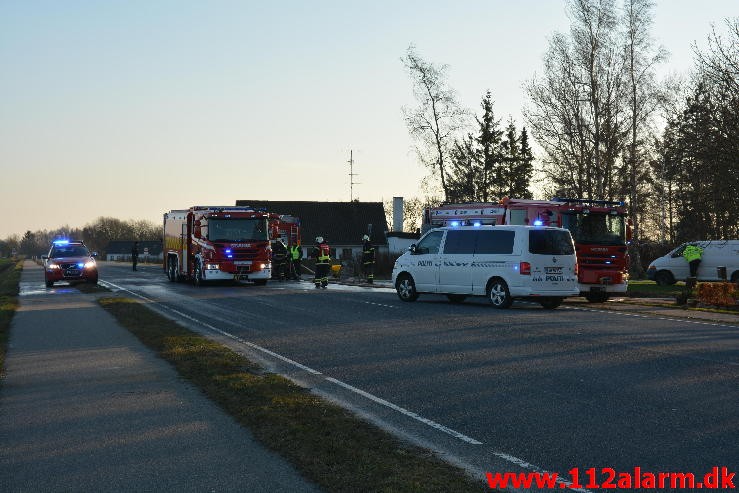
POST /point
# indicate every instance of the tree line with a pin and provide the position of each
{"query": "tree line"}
(96, 236)
(605, 128)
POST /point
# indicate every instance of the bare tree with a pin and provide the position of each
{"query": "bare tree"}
(576, 111)
(644, 98)
(437, 118)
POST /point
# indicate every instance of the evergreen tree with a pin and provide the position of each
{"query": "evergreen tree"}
(477, 172)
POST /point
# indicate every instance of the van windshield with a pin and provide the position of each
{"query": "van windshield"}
(550, 242)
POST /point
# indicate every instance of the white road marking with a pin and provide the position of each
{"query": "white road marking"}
(410, 414)
(378, 304)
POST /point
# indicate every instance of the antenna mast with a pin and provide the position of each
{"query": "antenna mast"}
(352, 174)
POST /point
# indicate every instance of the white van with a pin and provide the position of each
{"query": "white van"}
(500, 262)
(716, 253)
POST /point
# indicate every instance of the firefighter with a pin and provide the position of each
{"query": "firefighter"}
(693, 255)
(323, 262)
(368, 259)
(279, 259)
(295, 255)
(135, 254)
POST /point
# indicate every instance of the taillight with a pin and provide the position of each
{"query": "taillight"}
(524, 268)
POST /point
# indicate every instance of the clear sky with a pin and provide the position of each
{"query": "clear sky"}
(132, 108)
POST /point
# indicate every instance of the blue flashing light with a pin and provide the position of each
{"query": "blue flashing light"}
(228, 250)
(477, 224)
(80, 265)
(454, 224)
(230, 256)
(538, 222)
(61, 242)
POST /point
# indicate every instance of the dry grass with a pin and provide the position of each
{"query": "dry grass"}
(329, 445)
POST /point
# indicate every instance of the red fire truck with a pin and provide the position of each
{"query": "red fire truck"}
(599, 228)
(210, 243)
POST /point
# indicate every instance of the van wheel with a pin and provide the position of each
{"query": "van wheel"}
(498, 294)
(406, 288)
(664, 278)
(550, 303)
(456, 298)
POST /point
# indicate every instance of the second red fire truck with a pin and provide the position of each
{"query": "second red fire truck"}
(211, 243)
(599, 228)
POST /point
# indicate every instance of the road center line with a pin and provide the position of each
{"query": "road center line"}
(367, 395)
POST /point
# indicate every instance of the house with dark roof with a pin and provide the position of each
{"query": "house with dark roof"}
(120, 250)
(342, 224)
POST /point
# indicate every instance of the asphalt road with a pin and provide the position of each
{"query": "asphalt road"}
(524, 388)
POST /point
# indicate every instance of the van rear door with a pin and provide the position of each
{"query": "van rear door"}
(552, 260)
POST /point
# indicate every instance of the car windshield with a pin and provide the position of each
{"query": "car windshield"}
(238, 229)
(69, 251)
(595, 229)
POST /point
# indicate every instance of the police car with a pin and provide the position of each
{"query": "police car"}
(69, 261)
(500, 262)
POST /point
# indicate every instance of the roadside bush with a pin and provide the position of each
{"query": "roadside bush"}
(717, 293)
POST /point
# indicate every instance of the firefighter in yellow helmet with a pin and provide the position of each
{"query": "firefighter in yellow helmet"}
(321, 253)
(693, 255)
(368, 259)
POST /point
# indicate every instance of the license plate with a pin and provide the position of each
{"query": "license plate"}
(72, 272)
(242, 262)
(553, 270)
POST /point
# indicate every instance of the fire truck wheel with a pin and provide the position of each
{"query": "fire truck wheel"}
(197, 277)
(406, 288)
(597, 297)
(172, 269)
(664, 278)
(498, 293)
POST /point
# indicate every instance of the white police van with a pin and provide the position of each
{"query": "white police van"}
(500, 262)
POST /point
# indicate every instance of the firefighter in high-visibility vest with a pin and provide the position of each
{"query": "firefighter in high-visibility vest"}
(296, 253)
(321, 253)
(693, 255)
(368, 260)
(279, 260)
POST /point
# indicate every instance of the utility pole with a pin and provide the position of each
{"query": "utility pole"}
(352, 174)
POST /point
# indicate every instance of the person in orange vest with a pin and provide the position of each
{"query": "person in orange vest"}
(321, 254)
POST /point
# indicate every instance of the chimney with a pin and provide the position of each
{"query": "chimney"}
(398, 214)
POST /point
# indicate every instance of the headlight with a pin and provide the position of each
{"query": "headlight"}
(52, 266)
(90, 264)
(211, 266)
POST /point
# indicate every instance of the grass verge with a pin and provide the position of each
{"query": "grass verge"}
(650, 289)
(10, 275)
(329, 445)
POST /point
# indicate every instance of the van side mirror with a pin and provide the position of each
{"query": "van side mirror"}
(94, 254)
(412, 249)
